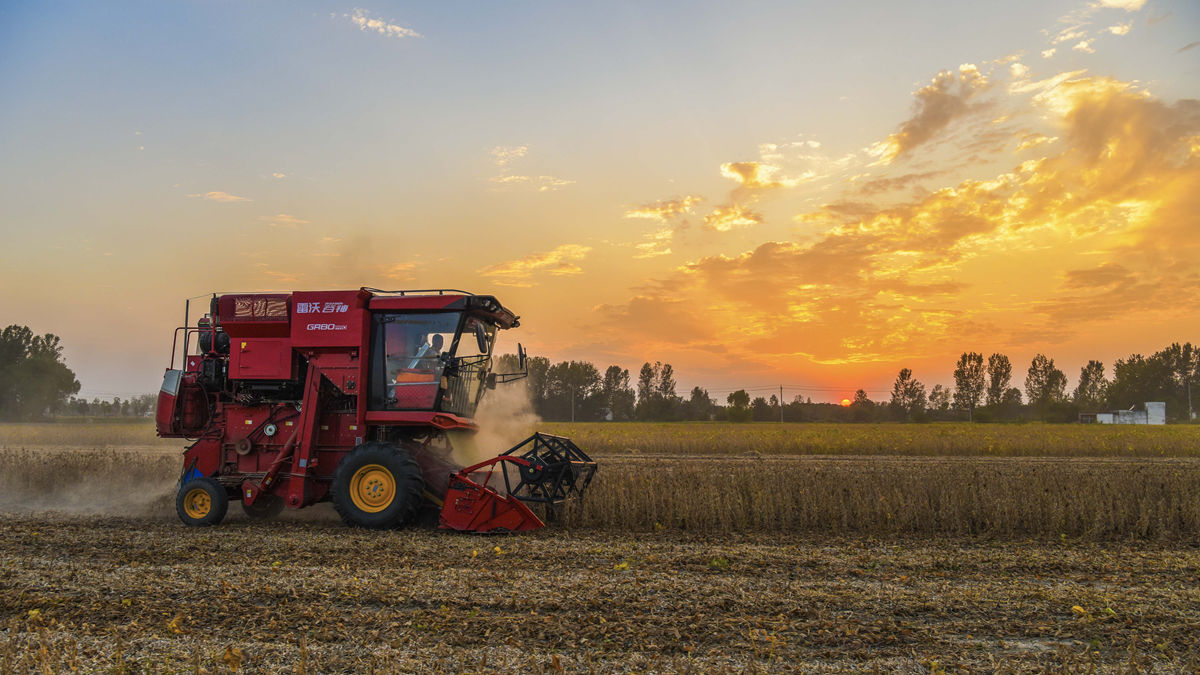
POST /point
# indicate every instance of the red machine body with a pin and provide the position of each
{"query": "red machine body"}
(348, 396)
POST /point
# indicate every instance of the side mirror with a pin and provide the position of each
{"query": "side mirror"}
(521, 355)
(481, 338)
(491, 381)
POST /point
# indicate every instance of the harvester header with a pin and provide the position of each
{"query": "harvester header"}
(355, 397)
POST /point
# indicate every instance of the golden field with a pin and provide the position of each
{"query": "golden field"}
(761, 478)
(767, 438)
(935, 439)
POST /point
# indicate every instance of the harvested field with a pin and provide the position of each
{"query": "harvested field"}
(148, 595)
(681, 561)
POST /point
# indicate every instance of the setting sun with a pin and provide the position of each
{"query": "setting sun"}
(845, 403)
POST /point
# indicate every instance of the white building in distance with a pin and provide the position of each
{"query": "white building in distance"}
(1155, 413)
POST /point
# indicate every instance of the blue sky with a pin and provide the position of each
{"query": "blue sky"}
(154, 151)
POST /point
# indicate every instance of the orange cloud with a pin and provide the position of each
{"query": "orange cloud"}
(665, 211)
(282, 220)
(671, 214)
(557, 262)
(757, 175)
(732, 217)
(1101, 229)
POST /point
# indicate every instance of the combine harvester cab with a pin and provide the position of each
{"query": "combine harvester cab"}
(353, 397)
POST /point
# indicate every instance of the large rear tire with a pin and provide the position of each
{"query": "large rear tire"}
(377, 485)
(201, 502)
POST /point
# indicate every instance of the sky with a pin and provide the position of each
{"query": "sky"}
(807, 194)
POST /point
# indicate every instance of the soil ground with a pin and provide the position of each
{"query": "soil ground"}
(310, 595)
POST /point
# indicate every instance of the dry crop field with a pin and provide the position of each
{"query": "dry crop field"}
(936, 439)
(702, 547)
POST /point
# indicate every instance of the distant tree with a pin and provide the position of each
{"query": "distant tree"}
(699, 405)
(668, 403)
(968, 382)
(573, 392)
(664, 384)
(34, 380)
(618, 394)
(656, 392)
(645, 383)
(538, 367)
(862, 409)
(939, 399)
(1045, 385)
(739, 406)
(1183, 363)
(1009, 407)
(1093, 386)
(908, 395)
(762, 410)
(999, 373)
(1137, 379)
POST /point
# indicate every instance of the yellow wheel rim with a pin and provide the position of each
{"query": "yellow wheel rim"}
(372, 488)
(197, 503)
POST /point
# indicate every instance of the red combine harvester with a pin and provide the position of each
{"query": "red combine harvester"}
(355, 397)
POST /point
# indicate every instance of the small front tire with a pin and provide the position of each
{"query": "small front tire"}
(201, 502)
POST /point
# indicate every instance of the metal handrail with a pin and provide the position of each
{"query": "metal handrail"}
(423, 291)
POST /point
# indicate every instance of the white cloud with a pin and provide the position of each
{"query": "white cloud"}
(1048, 53)
(279, 175)
(217, 196)
(1120, 29)
(282, 220)
(1084, 46)
(505, 155)
(1069, 34)
(1127, 5)
(365, 22)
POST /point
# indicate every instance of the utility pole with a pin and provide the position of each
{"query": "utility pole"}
(1191, 413)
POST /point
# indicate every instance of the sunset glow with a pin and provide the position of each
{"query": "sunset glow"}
(817, 196)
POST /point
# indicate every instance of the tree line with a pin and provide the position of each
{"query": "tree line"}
(983, 391)
(35, 383)
(137, 406)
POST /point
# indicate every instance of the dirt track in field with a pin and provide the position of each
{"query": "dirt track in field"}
(106, 593)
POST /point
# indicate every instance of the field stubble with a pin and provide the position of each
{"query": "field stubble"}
(685, 558)
(149, 596)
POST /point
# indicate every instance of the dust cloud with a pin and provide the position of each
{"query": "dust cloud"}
(123, 483)
(505, 418)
